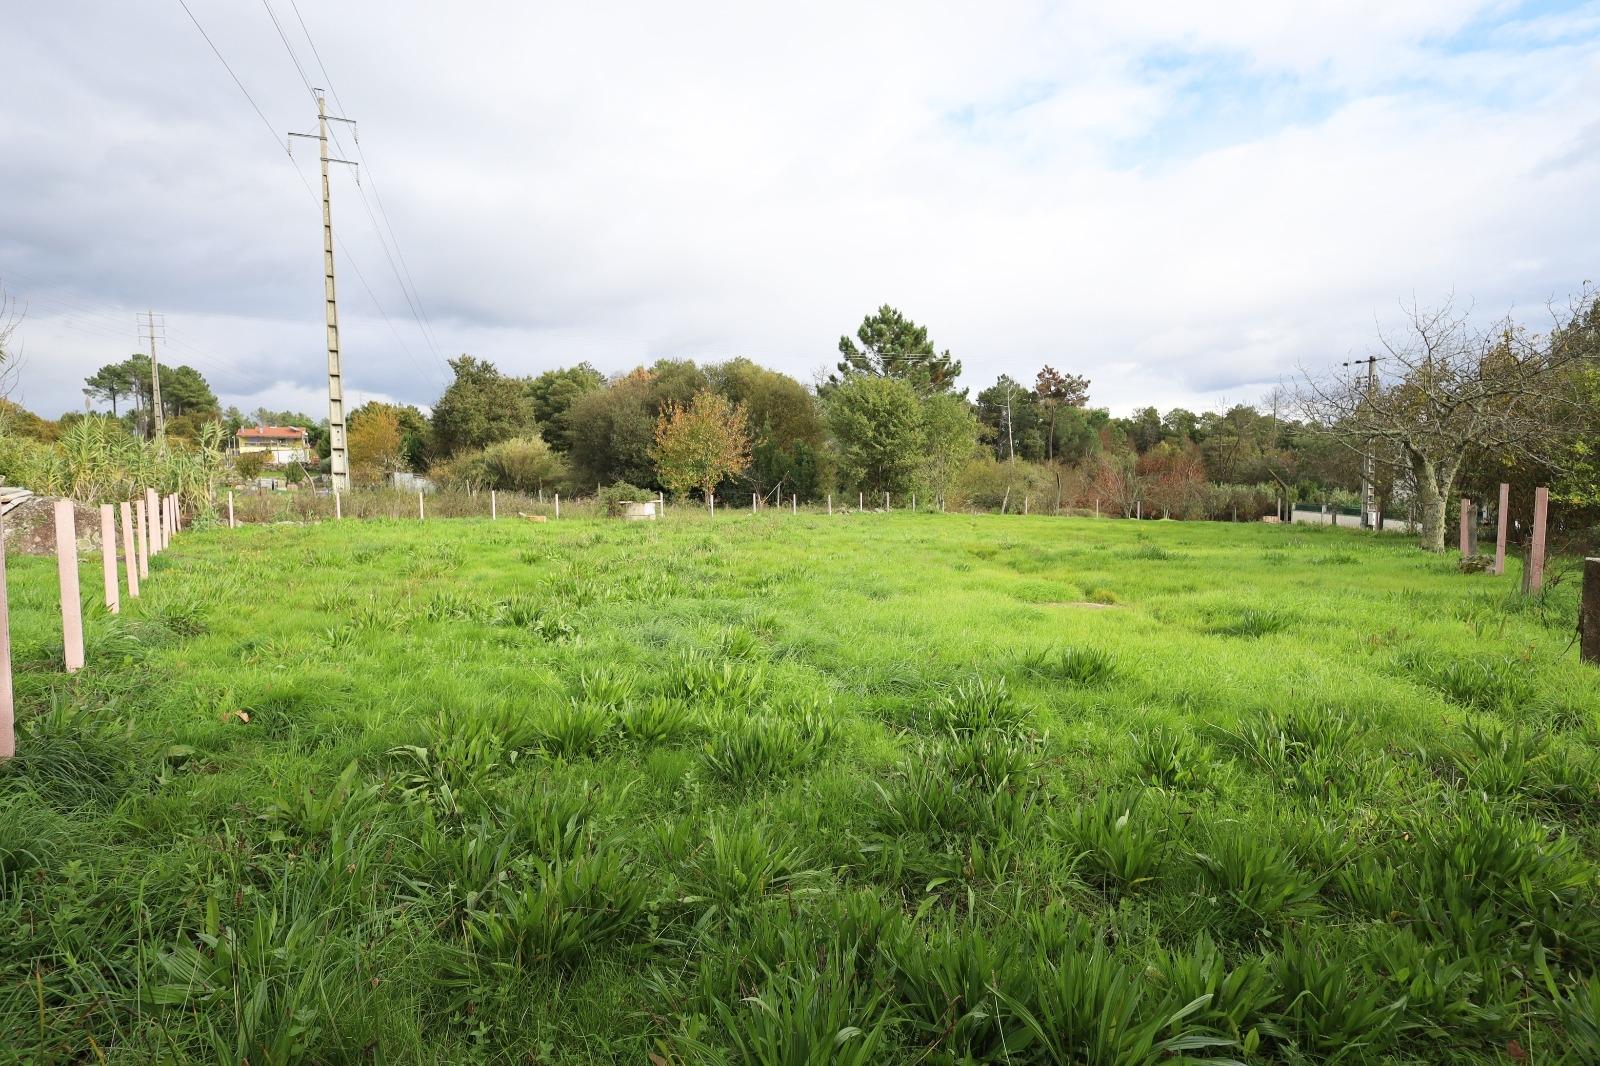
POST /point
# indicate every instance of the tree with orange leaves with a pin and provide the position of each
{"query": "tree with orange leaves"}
(699, 445)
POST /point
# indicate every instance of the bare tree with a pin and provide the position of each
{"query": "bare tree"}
(1444, 389)
(10, 358)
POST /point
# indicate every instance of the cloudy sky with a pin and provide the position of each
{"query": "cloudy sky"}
(1182, 201)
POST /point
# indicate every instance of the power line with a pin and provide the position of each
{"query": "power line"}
(259, 113)
(272, 130)
(371, 179)
(273, 15)
(406, 292)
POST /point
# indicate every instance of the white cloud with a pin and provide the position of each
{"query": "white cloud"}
(1036, 182)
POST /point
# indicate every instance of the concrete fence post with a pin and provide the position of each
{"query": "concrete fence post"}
(1025, 499)
(108, 557)
(143, 523)
(794, 504)
(1533, 573)
(1500, 528)
(558, 505)
(129, 561)
(1466, 537)
(8, 713)
(422, 511)
(1138, 509)
(150, 521)
(177, 512)
(830, 503)
(338, 507)
(494, 507)
(752, 503)
(1589, 614)
(861, 501)
(230, 509)
(67, 570)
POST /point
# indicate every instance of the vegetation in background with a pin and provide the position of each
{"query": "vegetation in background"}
(96, 460)
(1478, 408)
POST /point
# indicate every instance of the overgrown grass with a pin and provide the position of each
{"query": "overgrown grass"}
(799, 789)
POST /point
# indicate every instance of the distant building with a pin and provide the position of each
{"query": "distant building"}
(406, 481)
(284, 444)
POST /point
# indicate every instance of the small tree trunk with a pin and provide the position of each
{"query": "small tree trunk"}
(1434, 483)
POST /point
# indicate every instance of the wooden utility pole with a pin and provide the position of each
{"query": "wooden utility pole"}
(338, 453)
(158, 416)
(1589, 614)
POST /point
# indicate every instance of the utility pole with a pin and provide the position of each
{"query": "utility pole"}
(338, 453)
(1369, 520)
(1011, 441)
(158, 416)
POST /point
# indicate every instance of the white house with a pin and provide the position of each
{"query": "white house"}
(284, 444)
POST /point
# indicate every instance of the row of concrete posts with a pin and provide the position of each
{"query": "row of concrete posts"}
(150, 522)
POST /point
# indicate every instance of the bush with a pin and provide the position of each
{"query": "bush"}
(522, 464)
(613, 497)
(987, 484)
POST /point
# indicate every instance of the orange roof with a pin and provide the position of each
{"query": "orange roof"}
(273, 432)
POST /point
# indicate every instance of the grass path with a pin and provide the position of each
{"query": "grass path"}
(802, 789)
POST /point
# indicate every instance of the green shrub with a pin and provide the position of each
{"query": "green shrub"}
(614, 498)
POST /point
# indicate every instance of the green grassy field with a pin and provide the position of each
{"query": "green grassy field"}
(860, 789)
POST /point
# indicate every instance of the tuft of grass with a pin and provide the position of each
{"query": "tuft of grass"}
(1253, 623)
(1252, 880)
(1167, 758)
(563, 912)
(1120, 841)
(1084, 667)
(745, 751)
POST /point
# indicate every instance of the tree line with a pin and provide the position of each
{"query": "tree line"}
(1450, 409)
